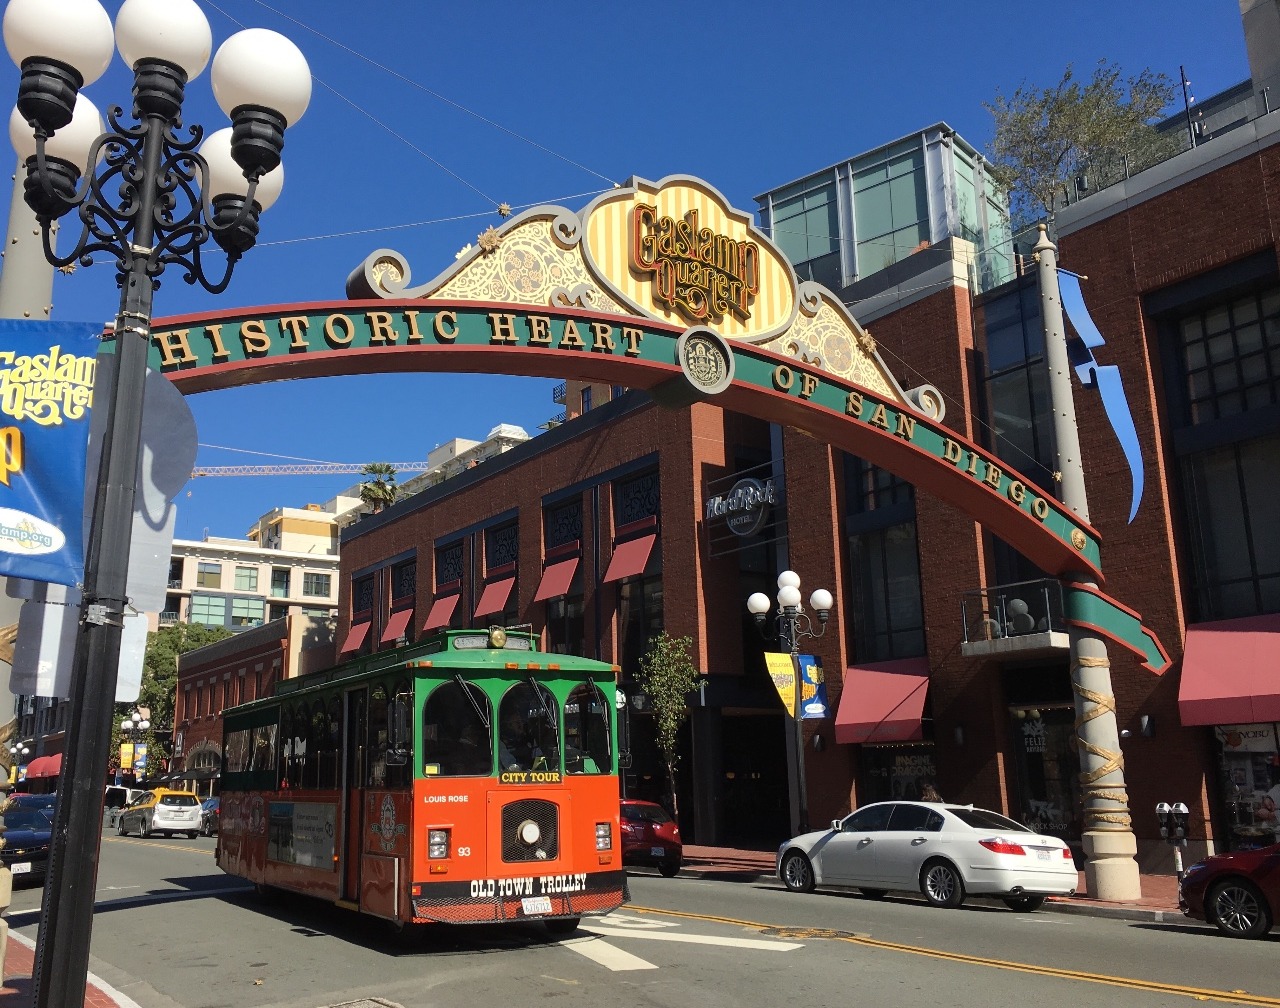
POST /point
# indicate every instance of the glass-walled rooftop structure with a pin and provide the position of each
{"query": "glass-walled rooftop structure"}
(849, 221)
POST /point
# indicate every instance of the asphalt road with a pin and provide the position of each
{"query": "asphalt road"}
(171, 930)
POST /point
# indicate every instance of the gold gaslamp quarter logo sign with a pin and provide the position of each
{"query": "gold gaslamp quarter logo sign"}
(700, 274)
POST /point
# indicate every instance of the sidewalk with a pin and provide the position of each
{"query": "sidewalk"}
(1159, 902)
(19, 965)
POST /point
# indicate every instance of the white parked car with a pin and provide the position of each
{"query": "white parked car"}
(161, 811)
(945, 852)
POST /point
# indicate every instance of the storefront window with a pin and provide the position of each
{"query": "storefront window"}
(896, 772)
(1250, 766)
(1048, 783)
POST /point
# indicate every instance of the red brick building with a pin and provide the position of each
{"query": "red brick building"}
(599, 533)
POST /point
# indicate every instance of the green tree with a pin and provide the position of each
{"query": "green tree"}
(1102, 128)
(160, 685)
(380, 490)
(668, 676)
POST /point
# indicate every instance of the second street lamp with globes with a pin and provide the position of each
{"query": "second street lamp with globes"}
(134, 728)
(794, 623)
(147, 198)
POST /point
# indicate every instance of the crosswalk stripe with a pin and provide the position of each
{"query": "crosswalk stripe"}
(603, 954)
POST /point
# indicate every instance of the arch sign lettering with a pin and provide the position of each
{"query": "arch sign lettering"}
(661, 286)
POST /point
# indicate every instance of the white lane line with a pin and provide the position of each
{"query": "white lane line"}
(603, 954)
(692, 939)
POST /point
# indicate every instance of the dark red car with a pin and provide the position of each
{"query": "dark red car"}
(650, 837)
(1239, 893)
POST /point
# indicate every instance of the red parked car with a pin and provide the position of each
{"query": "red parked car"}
(1239, 892)
(650, 836)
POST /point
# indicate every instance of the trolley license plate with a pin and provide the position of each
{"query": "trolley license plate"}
(536, 905)
(21, 868)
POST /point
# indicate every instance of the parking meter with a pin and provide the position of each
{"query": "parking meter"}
(1174, 821)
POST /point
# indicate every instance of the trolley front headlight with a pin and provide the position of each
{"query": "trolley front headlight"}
(437, 843)
(604, 836)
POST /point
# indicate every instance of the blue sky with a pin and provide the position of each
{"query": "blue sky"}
(474, 104)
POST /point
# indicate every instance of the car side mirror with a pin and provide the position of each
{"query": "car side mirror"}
(835, 825)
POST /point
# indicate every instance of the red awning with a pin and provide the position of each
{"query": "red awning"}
(45, 766)
(1229, 672)
(355, 637)
(556, 580)
(629, 558)
(494, 597)
(441, 612)
(396, 623)
(883, 702)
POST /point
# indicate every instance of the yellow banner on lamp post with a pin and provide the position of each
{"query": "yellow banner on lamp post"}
(782, 670)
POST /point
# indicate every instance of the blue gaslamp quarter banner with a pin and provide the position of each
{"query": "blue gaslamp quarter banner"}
(46, 391)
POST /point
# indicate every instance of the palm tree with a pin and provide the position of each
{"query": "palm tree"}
(380, 490)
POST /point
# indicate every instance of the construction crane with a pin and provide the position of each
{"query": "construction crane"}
(302, 469)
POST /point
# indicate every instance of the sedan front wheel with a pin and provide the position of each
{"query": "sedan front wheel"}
(797, 872)
(1239, 909)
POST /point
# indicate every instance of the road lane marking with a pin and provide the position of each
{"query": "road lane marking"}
(691, 939)
(603, 954)
(1129, 983)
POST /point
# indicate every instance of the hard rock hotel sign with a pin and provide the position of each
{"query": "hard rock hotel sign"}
(661, 286)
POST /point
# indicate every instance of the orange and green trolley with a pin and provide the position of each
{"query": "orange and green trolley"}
(468, 778)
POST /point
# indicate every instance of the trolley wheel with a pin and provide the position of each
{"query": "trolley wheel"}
(563, 925)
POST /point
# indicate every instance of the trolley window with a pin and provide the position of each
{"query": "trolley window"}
(528, 728)
(457, 731)
(587, 749)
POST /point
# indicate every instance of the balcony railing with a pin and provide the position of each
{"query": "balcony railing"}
(169, 618)
(558, 393)
(1028, 610)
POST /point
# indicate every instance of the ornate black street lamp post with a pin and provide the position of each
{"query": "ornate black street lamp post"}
(148, 199)
(793, 624)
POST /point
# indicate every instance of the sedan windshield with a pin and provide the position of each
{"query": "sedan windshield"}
(31, 819)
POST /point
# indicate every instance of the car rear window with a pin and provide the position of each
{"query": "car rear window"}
(178, 799)
(646, 813)
(984, 820)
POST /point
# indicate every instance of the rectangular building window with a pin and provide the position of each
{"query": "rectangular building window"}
(209, 610)
(890, 208)
(639, 619)
(1227, 436)
(1231, 356)
(246, 578)
(316, 585)
(806, 222)
(247, 612)
(279, 582)
(208, 575)
(889, 612)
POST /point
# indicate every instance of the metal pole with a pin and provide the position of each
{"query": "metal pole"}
(66, 923)
(1186, 103)
(26, 291)
(789, 625)
(1111, 870)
